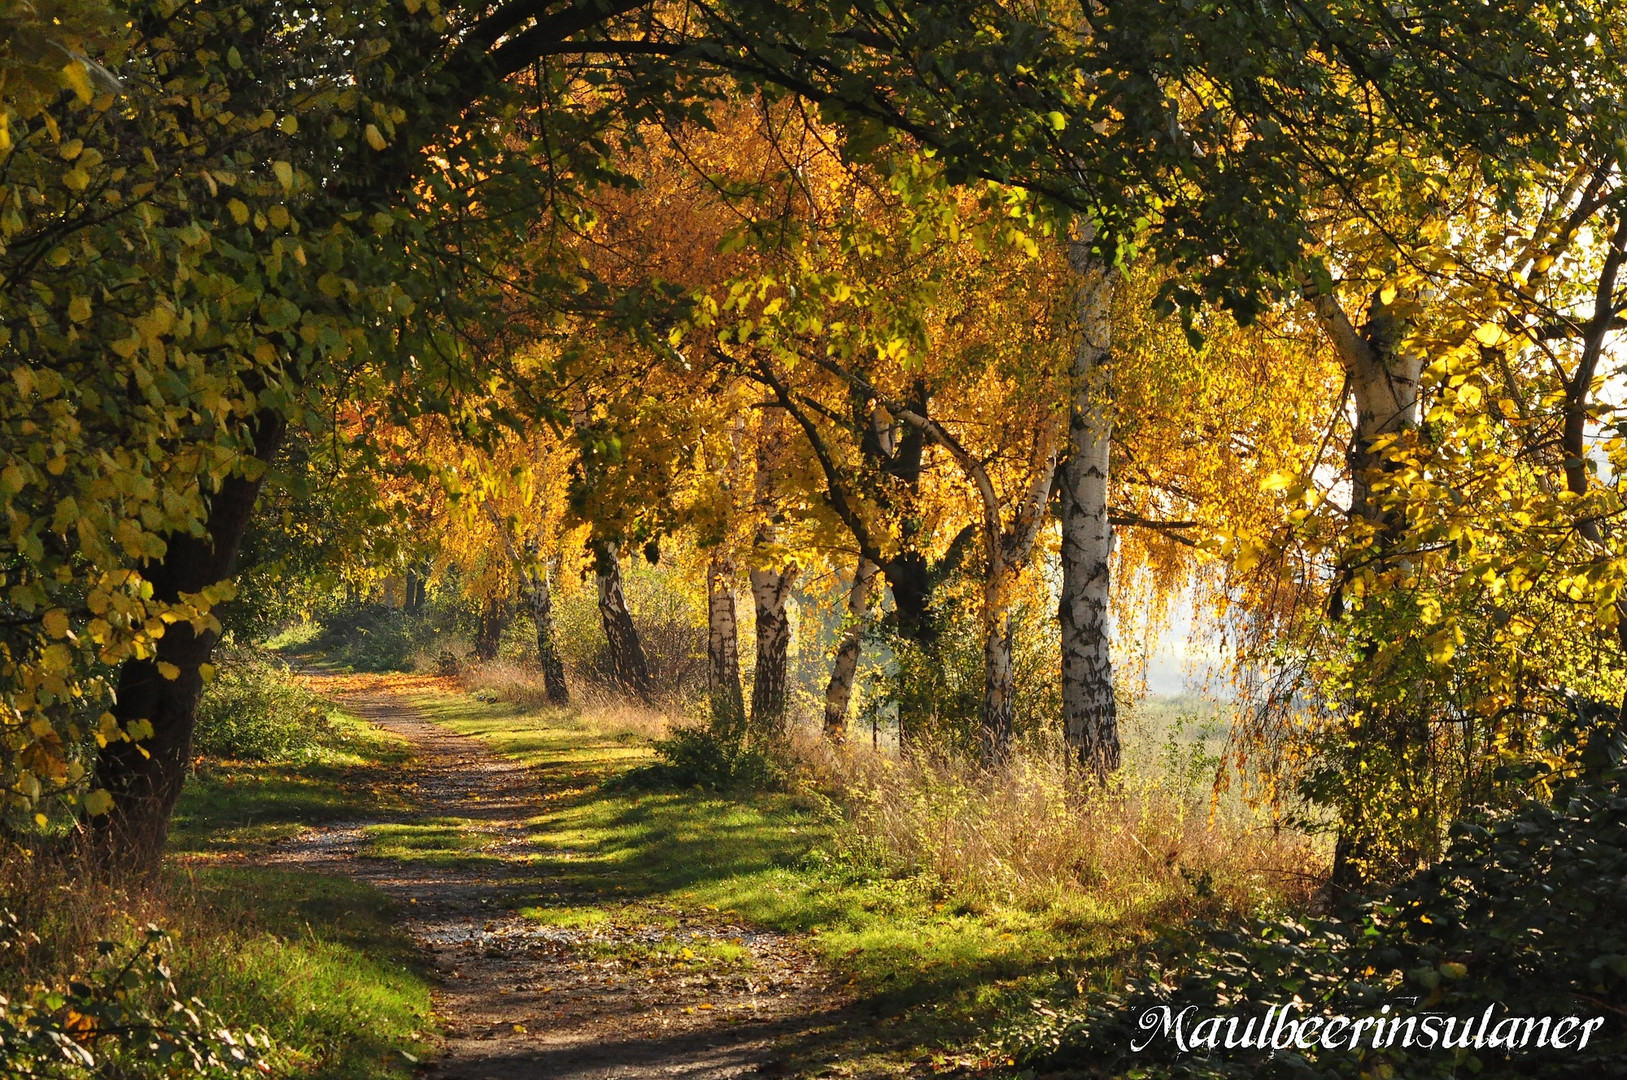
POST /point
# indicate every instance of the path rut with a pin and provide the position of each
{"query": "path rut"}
(522, 999)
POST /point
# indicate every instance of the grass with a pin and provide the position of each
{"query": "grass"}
(939, 964)
(317, 959)
(240, 806)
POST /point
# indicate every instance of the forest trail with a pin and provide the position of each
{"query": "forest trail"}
(520, 998)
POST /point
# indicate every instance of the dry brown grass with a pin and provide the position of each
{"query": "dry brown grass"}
(1034, 834)
(598, 707)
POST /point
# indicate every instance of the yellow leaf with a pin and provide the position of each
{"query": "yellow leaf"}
(285, 174)
(56, 623)
(240, 212)
(74, 75)
(289, 125)
(1490, 334)
(79, 308)
(374, 138)
(168, 670)
(98, 803)
(207, 671)
(1280, 480)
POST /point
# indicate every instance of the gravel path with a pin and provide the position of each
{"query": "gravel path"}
(521, 999)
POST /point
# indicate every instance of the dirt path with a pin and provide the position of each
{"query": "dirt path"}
(520, 998)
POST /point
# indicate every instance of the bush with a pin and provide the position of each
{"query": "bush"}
(123, 1017)
(254, 710)
(1527, 913)
(697, 757)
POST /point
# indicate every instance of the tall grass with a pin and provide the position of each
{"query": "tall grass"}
(599, 706)
(1034, 833)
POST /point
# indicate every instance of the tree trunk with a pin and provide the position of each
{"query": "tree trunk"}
(627, 660)
(999, 689)
(1384, 386)
(839, 692)
(542, 613)
(145, 778)
(723, 650)
(489, 636)
(769, 591)
(1090, 715)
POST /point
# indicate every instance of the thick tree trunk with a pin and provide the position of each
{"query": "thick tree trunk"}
(489, 635)
(1383, 383)
(839, 692)
(1384, 386)
(999, 689)
(723, 650)
(542, 613)
(627, 660)
(145, 778)
(415, 592)
(769, 591)
(1090, 715)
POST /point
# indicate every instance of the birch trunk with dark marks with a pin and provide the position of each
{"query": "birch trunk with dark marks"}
(533, 574)
(839, 691)
(145, 778)
(1089, 711)
(999, 688)
(542, 613)
(1383, 384)
(770, 589)
(723, 649)
(627, 660)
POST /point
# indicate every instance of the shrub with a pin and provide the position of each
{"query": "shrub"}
(698, 757)
(1527, 913)
(255, 710)
(123, 1017)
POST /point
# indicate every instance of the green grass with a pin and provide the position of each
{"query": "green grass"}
(441, 841)
(941, 972)
(243, 806)
(315, 959)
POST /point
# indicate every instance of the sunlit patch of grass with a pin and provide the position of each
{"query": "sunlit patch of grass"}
(433, 840)
(672, 953)
(567, 916)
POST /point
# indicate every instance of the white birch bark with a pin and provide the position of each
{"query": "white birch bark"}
(723, 648)
(1090, 715)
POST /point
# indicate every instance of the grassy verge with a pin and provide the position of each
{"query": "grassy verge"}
(312, 960)
(932, 971)
(316, 959)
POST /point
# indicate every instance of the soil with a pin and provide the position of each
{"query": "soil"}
(522, 999)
